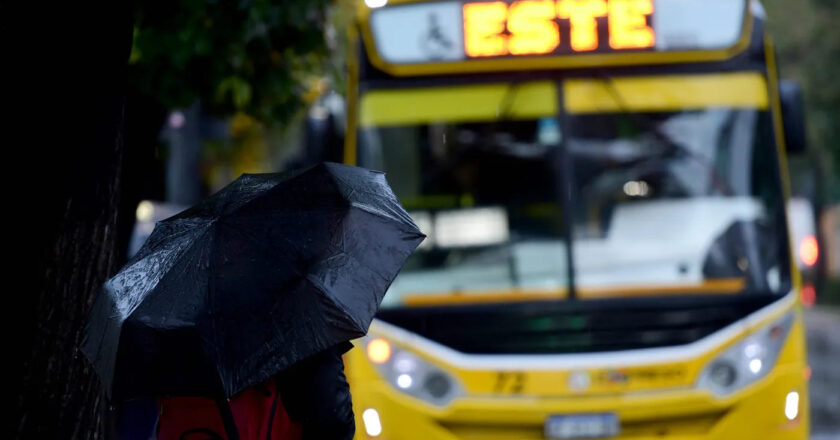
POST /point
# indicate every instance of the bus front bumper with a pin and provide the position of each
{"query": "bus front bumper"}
(757, 412)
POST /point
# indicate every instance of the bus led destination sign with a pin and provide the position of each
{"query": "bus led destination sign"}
(486, 32)
(537, 27)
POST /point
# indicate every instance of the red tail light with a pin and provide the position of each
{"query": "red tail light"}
(809, 295)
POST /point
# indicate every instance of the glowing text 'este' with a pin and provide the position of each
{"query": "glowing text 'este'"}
(531, 27)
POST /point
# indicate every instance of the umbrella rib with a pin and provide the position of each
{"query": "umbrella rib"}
(335, 301)
(341, 182)
(383, 214)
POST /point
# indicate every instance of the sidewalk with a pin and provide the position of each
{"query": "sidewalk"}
(823, 333)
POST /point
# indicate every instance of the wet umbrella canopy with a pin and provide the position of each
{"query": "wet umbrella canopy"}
(268, 271)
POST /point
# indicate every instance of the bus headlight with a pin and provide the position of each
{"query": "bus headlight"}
(414, 376)
(747, 360)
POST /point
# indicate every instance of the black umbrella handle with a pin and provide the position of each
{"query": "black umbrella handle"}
(227, 419)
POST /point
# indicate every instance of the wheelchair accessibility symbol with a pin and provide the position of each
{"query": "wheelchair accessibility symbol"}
(434, 42)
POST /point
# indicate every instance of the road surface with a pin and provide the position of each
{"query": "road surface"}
(823, 327)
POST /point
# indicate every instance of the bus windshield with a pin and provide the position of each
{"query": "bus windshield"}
(663, 202)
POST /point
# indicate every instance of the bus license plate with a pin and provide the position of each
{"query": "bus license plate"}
(582, 426)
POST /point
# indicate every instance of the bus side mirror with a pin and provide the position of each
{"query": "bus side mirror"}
(793, 116)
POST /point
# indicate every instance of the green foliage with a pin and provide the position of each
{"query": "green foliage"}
(808, 42)
(250, 56)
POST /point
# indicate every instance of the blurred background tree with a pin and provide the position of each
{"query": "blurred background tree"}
(809, 52)
(249, 56)
(248, 66)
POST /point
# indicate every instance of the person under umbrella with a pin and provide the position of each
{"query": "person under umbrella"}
(309, 401)
(272, 273)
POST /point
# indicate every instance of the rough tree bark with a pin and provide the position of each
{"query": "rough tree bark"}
(68, 72)
(61, 396)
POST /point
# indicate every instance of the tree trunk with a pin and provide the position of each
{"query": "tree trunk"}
(66, 102)
(61, 395)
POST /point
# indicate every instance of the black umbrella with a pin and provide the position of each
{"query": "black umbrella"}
(268, 271)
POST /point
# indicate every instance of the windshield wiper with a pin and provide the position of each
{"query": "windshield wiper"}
(506, 104)
(667, 140)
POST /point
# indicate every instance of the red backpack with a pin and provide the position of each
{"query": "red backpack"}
(257, 413)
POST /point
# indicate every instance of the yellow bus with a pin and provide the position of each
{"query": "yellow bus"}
(603, 186)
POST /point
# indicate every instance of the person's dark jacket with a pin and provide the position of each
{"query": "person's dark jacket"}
(316, 395)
